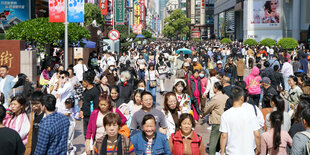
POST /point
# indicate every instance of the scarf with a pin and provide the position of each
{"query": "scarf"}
(125, 83)
(118, 145)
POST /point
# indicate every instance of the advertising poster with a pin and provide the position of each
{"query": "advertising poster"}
(56, 11)
(76, 11)
(13, 12)
(221, 25)
(136, 5)
(108, 18)
(134, 28)
(103, 4)
(139, 29)
(264, 13)
(120, 14)
(142, 13)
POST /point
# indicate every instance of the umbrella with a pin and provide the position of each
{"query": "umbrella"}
(89, 44)
(184, 51)
(140, 36)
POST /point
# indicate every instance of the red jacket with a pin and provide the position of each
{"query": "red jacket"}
(178, 144)
(92, 124)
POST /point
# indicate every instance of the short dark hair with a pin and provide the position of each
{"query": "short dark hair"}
(80, 59)
(276, 67)
(141, 81)
(70, 101)
(2, 113)
(218, 86)
(187, 115)
(306, 115)
(145, 93)
(66, 73)
(36, 97)
(266, 64)
(112, 118)
(115, 88)
(5, 66)
(236, 93)
(49, 101)
(279, 102)
(89, 76)
(148, 117)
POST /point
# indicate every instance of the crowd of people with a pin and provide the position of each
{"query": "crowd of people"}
(115, 98)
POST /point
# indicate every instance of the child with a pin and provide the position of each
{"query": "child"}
(69, 112)
(183, 98)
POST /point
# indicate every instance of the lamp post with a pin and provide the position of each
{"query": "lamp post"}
(66, 35)
(129, 9)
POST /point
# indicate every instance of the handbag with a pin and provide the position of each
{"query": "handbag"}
(153, 83)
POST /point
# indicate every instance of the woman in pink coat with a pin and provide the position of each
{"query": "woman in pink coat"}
(253, 85)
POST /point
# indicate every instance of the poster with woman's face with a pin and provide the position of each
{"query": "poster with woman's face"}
(264, 13)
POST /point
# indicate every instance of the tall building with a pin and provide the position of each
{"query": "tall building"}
(260, 19)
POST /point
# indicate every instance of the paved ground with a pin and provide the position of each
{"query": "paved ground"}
(201, 128)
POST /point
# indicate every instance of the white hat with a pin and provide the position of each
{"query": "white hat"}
(195, 60)
(186, 64)
(110, 63)
(178, 80)
(219, 62)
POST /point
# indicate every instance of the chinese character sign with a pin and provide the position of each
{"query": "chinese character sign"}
(10, 55)
(108, 18)
(13, 12)
(119, 11)
(56, 11)
(136, 4)
(142, 14)
(103, 4)
(6, 59)
(76, 11)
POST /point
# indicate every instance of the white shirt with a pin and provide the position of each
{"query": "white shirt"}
(2, 84)
(239, 124)
(78, 70)
(152, 76)
(259, 116)
(64, 92)
(271, 51)
(287, 69)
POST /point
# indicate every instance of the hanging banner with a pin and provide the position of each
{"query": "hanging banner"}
(56, 11)
(139, 29)
(76, 11)
(120, 12)
(103, 4)
(136, 4)
(108, 21)
(134, 28)
(142, 13)
(13, 12)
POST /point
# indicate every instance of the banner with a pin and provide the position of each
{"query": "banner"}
(142, 13)
(139, 29)
(134, 28)
(103, 4)
(108, 18)
(264, 13)
(120, 14)
(13, 12)
(56, 11)
(76, 11)
(136, 5)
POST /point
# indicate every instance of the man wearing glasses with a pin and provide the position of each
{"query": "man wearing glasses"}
(63, 91)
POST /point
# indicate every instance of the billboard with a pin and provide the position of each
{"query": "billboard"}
(120, 14)
(13, 12)
(56, 11)
(264, 13)
(142, 13)
(76, 11)
(103, 5)
(136, 4)
(108, 19)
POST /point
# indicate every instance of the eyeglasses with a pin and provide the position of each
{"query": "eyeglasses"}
(62, 77)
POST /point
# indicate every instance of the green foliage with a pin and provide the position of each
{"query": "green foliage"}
(41, 32)
(146, 34)
(250, 42)
(176, 25)
(197, 40)
(288, 43)
(226, 41)
(268, 42)
(91, 13)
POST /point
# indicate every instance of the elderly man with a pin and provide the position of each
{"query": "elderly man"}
(111, 74)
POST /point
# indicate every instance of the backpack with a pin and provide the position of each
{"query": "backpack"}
(199, 137)
(308, 143)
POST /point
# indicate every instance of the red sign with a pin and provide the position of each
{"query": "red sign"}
(108, 19)
(114, 35)
(56, 11)
(103, 4)
(142, 13)
(134, 28)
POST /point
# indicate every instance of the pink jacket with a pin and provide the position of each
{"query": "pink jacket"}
(92, 124)
(253, 86)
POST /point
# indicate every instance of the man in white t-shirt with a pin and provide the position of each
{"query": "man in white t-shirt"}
(63, 91)
(239, 128)
(79, 69)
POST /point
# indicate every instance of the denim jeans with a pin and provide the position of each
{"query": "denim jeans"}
(141, 74)
(152, 90)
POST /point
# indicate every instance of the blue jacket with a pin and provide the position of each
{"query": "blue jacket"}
(8, 85)
(160, 144)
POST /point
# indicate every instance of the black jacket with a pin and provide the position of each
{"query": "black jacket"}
(277, 79)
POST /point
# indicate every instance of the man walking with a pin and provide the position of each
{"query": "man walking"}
(53, 131)
(6, 83)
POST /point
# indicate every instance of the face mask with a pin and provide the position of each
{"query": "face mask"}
(141, 88)
(122, 79)
(111, 68)
(201, 75)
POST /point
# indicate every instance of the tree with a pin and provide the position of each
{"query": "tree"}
(267, 42)
(226, 41)
(41, 32)
(176, 25)
(92, 12)
(147, 34)
(288, 43)
(250, 42)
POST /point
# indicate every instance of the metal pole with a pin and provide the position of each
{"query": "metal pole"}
(113, 14)
(66, 35)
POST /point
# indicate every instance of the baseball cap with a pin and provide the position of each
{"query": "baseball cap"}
(219, 62)
(195, 60)
(186, 64)
(265, 80)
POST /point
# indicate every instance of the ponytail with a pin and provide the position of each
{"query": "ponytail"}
(276, 118)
